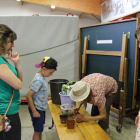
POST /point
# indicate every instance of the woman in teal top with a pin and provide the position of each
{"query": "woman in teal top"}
(10, 77)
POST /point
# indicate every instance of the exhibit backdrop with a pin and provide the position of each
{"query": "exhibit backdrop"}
(40, 36)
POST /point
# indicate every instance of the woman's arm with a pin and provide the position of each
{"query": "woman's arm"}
(80, 104)
(14, 56)
(102, 116)
(31, 103)
(19, 71)
(9, 77)
(75, 110)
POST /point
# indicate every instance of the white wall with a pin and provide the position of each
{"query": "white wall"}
(13, 8)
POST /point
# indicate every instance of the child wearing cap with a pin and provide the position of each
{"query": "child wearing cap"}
(37, 95)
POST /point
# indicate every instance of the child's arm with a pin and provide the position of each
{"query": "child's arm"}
(31, 103)
(30, 84)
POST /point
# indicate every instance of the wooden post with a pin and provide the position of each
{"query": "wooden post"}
(123, 93)
(136, 69)
(125, 85)
(123, 56)
(80, 34)
(121, 107)
(84, 56)
(83, 74)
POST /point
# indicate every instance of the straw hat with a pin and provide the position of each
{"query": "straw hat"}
(80, 91)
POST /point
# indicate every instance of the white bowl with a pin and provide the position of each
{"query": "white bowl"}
(67, 109)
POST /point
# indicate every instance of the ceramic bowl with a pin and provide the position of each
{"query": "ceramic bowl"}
(67, 109)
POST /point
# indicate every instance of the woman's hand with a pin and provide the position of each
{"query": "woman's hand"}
(137, 120)
(14, 56)
(75, 111)
(36, 114)
(80, 118)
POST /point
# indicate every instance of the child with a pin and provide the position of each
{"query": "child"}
(37, 95)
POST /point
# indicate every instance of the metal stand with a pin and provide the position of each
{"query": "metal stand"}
(52, 124)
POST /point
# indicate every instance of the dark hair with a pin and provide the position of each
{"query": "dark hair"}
(50, 63)
(6, 35)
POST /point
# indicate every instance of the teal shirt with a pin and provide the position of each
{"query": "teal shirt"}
(5, 94)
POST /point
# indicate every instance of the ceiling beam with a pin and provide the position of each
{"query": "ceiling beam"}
(95, 18)
(52, 9)
(86, 6)
(82, 15)
(21, 2)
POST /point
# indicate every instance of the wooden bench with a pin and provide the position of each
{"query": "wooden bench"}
(82, 131)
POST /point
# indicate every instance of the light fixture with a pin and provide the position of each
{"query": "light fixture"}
(53, 7)
(18, 0)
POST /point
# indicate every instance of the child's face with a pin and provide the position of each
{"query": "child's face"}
(48, 72)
